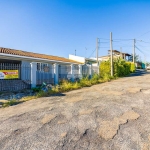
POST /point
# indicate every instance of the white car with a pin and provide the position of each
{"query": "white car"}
(148, 67)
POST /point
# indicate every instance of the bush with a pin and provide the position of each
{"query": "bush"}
(132, 67)
(121, 68)
(105, 70)
(95, 79)
(85, 82)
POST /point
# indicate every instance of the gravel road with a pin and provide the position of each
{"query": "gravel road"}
(108, 116)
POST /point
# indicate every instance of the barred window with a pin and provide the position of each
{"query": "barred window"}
(42, 67)
(38, 66)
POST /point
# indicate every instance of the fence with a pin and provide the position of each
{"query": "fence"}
(45, 74)
(86, 70)
(64, 72)
(14, 77)
(76, 72)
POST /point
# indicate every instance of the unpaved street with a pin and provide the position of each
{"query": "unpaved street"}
(109, 116)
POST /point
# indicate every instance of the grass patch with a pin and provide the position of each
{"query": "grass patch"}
(27, 98)
(11, 103)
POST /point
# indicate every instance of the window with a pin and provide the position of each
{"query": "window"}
(38, 66)
(42, 67)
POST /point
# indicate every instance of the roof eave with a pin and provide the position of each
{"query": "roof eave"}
(40, 59)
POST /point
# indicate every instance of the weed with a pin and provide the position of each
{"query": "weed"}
(27, 98)
(11, 103)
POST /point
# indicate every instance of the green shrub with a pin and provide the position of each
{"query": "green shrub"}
(76, 85)
(85, 82)
(95, 79)
(121, 68)
(42, 94)
(132, 67)
(105, 70)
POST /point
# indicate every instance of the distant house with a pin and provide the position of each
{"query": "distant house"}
(116, 54)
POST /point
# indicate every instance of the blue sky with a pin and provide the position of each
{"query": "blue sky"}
(59, 27)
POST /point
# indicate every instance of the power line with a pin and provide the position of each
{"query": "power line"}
(143, 34)
(117, 39)
(121, 42)
(139, 49)
(142, 45)
(92, 53)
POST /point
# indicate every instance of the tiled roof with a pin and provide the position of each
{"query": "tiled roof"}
(35, 55)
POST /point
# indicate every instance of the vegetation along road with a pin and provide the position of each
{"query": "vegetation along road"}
(108, 116)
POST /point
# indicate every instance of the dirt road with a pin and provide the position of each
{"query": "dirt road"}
(109, 116)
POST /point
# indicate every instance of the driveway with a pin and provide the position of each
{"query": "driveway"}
(108, 116)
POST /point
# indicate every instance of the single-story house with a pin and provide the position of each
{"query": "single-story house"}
(34, 68)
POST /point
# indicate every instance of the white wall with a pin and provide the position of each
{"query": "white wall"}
(77, 58)
(95, 64)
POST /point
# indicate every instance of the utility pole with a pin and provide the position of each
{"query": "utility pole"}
(145, 60)
(111, 51)
(121, 52)
(97, 49)
(133, 50)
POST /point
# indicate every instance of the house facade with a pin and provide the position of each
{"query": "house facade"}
(20, 69)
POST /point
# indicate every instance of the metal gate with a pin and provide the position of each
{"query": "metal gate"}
(85, 70)
(14, 77)
(76, 72)
(64, 72)
(45, 74)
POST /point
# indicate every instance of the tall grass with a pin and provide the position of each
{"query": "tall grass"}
(66, 86)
